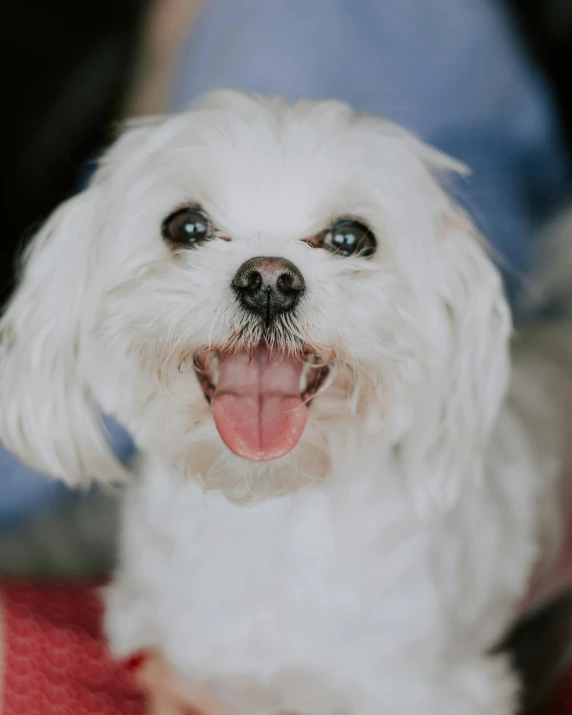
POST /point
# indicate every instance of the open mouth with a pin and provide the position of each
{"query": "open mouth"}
(260, 398)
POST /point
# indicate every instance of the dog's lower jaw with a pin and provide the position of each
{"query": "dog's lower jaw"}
(207, 461)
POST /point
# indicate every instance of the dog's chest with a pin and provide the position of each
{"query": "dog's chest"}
(284, 580)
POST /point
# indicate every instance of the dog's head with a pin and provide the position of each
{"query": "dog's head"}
(256, 289)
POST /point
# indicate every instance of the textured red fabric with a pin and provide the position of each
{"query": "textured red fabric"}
(56, 662)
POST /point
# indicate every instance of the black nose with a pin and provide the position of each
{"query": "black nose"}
(268, 286)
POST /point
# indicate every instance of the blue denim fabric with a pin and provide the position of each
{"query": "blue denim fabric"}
(24, 492)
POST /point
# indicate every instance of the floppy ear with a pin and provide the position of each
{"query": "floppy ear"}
(470, 371)
(47, 414)
(468, 336)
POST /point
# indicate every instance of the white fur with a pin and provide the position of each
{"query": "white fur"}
(374, 568)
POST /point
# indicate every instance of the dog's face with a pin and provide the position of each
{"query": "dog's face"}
(254, 288)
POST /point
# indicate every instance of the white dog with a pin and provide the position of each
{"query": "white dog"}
(342, 496)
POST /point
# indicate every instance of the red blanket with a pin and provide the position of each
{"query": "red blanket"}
(56, 662)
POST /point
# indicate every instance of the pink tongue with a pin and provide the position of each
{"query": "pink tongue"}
(257, 407)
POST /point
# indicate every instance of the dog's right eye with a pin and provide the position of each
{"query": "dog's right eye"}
(187, 227)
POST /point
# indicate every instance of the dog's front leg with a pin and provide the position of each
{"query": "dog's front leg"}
(168, 694)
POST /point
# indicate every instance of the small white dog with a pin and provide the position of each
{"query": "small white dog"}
(342, 496)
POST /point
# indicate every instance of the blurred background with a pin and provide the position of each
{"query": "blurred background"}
(486, 80)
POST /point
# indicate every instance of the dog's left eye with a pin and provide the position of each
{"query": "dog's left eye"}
(349, 238)
(188, 226)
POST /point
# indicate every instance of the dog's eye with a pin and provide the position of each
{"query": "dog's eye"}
(188, 226)
(350, 238)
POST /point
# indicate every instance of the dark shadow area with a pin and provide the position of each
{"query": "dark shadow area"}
(547, 29)
(540, 649)
(66, 66)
